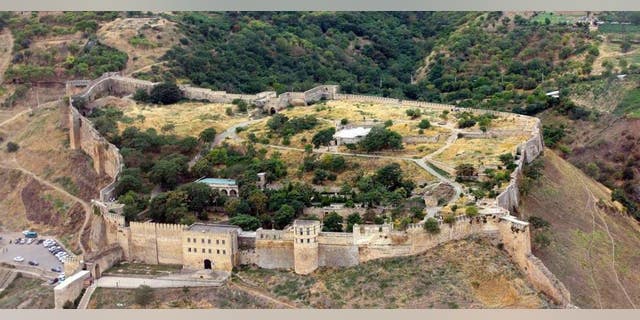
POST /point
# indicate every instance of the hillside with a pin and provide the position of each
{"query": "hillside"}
(469, 273)
(593, 246)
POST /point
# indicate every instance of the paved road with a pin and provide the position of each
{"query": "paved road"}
(130, 283)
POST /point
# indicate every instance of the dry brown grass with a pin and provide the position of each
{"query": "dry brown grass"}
(163, 34)
(460, 274)
(483, 152)
(580, 253)
(189, 118)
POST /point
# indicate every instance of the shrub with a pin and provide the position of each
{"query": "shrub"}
(450, 219)
(165, 93)
(208, 135)
(471, 211)
(12, 147)
(141, 95)
(424, 124)
(431, 226)
(143, 295)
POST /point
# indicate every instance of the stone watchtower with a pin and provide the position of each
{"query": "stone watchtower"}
(305, 245)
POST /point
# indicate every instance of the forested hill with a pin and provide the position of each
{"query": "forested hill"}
(365, 52)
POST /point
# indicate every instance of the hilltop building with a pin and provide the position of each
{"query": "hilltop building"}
(351, 135)
(228, 187)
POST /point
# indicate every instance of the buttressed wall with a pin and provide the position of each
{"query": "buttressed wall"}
(157, 243)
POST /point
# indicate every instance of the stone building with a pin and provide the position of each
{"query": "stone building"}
(228, 187)
(210, 246)
(351, 136)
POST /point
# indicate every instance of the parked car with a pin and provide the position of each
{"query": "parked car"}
(61, 278)
(40, 241)
(33, 263)
(56, 269)
(29, 241)
(30, 234)
(18, 259)
(53, 281)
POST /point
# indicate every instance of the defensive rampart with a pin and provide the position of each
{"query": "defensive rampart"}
(158, 243)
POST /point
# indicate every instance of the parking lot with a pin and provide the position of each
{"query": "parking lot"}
(30, 252)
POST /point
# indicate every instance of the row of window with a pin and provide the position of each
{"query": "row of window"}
(195, 250)
(308, 240)
(194, 240)
(308, 231)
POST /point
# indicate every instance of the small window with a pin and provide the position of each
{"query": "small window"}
(308, 231)
(308, 240)
(217, 241)
(203, 240)
(209, 250)
(218, 251)
(202, 250)
(189, 249)
(222, 241)
(224, 251)
(189, 240)
(209, 241)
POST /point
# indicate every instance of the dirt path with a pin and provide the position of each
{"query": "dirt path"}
(14, 165)
(145, 67)
(613, 247)
(14, 118)
(589, 249)
(6, 48)
(259, 293)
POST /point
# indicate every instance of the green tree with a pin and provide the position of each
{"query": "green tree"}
(208, 135)
(332, 222)
(471, 211)
(424, 124)
(246, 222)
(199, 197)
(165, 93)
(432, 226)
(353, 219)
(284, 216)
(323, 137)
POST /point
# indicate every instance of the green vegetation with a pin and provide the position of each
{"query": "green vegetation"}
(432, 226)
(284, 126)
(293, 51)
(12, 146)
(323, 137)
(143, 295)
(630, 104)
(332, 222)
(380, 138)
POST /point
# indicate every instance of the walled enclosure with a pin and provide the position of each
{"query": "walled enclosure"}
(157, 243)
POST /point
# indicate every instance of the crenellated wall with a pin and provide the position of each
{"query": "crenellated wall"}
(163, 243)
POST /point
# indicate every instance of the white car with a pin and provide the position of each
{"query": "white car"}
(18, 259)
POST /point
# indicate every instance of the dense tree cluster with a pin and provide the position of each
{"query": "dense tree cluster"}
(293, 51)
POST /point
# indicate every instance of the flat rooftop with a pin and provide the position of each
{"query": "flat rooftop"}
(305, 222)
(227, 182)
(213, 228)
(352, 133)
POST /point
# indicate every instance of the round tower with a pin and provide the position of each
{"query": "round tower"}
(305, 245)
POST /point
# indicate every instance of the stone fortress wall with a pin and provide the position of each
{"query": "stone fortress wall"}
(161, 243)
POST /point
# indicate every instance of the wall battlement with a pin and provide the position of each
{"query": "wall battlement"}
(162, 243)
